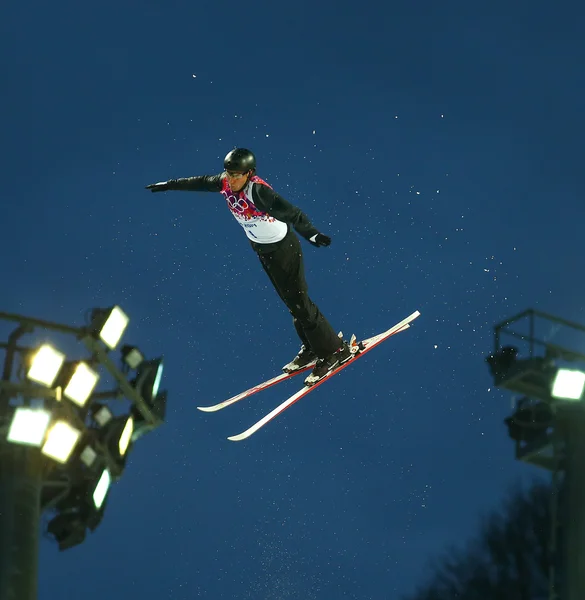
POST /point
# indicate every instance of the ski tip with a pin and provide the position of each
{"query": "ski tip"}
(246, 434)
(238, 438)
(207, 408)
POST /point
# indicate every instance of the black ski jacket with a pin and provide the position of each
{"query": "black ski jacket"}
(265, 199)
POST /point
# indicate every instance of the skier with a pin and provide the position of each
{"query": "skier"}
(268, 219)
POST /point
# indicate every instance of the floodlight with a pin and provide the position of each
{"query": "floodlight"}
(530, 421)
(501, 361)
(101, 414)
(81, 384)
(45, 365)
(110, 325)
(148, 379)
(115, 438)
(29, 426)
(132, 356)
(88, 456)
(101, 489)
(158, 408)
(568, 384)
(126, 436)
(61, 440)
(156, 384)
(68, 529)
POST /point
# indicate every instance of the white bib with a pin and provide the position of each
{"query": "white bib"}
(259, 226)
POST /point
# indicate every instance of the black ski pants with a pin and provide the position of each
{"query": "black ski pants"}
(285, 268)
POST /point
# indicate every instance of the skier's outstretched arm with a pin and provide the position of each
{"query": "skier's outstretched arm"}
(199, 183)
(276, 206)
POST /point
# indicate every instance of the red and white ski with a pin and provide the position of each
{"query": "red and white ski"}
(367, 345)
(257, 388)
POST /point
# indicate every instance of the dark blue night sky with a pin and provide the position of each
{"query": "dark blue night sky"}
(440, 145)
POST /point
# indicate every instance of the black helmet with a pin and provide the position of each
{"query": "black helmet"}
(240, 159)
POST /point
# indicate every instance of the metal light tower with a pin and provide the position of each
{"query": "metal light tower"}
(62, 444)
(548, 428)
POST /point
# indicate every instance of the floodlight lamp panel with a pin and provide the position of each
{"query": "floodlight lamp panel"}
(132, 357)
(157, 380)
(88, 456)
(101, 489)
(568, 384)
(29, 426)
(61, 441)
(81, 384)
(114, 327)
(103, 416)
(126, 436)
(45, 365)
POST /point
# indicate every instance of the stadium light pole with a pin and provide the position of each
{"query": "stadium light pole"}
(548, 428)
(62, 442)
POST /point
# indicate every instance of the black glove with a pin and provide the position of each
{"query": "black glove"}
(162, 186)
(319, 240)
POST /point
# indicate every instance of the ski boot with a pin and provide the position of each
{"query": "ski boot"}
(326, 365)
(305, 357)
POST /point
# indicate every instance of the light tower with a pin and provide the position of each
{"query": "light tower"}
(548, 429)
(62, 441)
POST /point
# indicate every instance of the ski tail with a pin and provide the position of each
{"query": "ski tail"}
(254, 390)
